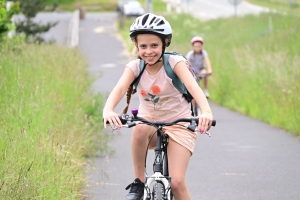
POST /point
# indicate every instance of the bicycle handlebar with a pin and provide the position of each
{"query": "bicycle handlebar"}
(131, 121)
(126, 118)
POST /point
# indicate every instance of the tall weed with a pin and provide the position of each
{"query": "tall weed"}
(46, 123)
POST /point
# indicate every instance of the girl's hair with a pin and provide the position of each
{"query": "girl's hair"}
(128, 98)
(130, 89)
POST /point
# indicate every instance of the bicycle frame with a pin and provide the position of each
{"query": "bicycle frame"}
(160, 167)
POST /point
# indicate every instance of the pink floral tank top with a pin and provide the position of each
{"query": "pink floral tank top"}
(159, 99)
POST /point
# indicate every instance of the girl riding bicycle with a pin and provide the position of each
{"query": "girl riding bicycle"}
(151, 35)
(199, 61)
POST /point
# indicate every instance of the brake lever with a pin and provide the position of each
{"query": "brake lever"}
(113, 128)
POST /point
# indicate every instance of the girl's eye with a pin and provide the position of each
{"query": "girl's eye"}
(154, 45)
(143, 46)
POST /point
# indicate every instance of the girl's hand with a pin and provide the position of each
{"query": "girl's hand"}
(111, 117)
(203, 73)
(205, 121)
(209, 72)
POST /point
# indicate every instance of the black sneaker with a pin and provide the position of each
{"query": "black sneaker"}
(136, 191)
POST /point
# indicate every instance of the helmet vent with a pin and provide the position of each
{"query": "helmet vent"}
(161, 23)
(152, 20)
(145, 19)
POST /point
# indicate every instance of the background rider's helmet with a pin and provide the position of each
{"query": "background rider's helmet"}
(150, 23)
(197, 39)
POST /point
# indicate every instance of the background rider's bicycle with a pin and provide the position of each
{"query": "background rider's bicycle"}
(161, 179)
(195, 107)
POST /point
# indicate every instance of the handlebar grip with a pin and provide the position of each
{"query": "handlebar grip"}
(214, 122)
(123, 119)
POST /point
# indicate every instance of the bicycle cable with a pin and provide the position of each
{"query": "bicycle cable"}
(163, 136)
(148, 146)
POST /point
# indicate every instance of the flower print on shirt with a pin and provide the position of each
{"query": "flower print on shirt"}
(152, 97)
(155, 89)
(143, 93)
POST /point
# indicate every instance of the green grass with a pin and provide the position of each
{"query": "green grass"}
(158, 6)
(48, 122)
(100, 5)
(255, 60)
(103, 5)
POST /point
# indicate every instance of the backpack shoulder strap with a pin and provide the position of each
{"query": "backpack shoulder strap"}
(171, 74)
(137, 80)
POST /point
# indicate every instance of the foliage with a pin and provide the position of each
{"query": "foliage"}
(48, 122)
(6, 17)
(91, 5)
(28, 26)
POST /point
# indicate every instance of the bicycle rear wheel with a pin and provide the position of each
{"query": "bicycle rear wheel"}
(158, 191)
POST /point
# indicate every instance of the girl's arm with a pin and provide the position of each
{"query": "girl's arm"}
(115, 97)
(188, 80)
(208, 65)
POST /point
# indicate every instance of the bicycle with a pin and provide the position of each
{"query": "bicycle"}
(162, 186)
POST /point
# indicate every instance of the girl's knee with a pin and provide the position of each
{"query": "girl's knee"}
(178, 184)
(140, 132)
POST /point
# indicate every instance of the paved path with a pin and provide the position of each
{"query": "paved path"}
(213, 9)
(244, 159)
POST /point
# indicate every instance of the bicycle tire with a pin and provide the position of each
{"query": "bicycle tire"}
(172, 197)
(158, 191)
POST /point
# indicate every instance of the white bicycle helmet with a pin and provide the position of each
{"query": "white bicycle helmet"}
(150, 23)
(197, 39)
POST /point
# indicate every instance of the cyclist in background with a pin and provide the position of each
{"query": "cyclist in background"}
(200, 62)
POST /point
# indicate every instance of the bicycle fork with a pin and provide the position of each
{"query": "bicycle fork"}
(160, 168)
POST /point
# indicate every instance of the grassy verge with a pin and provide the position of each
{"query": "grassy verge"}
(255, 62)
(157, 5)
(48, 122)
(89, 5)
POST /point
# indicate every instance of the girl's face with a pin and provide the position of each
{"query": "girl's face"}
(197, 46)
(149, 47)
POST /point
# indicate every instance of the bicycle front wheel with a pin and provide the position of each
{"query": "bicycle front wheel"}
(158, 191)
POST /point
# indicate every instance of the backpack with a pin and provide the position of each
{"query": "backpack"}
(170, 73)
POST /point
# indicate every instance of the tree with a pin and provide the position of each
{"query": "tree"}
(6, 16)
(30, 28)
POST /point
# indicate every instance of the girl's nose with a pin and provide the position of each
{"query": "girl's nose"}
(148, 50)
